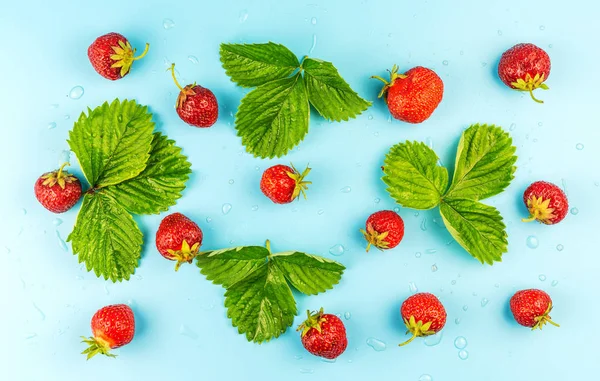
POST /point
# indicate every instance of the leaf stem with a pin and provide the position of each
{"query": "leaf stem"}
(143, 53)
(172, 68)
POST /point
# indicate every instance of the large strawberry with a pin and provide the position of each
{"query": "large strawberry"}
(283, 184)
(384, 230)
(531, 308)
(178, 239)
(323, 335)
(525, 67)
(112, 327)
(196, 105)
(423, 314)
(413, 96)
(111, 55)
(57, 191)
(546, 202)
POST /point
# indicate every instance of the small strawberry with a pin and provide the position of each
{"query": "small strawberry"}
(413, 96)
(323, 335)
(112, 327)
(525, 67)
(283, 184)
(546, 202)
(384, 230)
(178, 239)
(423, 314)
(531, 308)
(111, 56)
(196, 105)
(57, 191)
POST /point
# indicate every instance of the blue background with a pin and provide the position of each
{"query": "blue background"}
(183, 333)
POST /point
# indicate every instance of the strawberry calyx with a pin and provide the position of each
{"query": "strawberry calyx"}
(184, 92)
(125, 55)
(531, 83)
(541, 320)
(58, 177)
(539, 210)
(185, 254)
(374, 238)
(301, 185)
(314, 320)
(387, 84)
(96, 346)
(417, 328)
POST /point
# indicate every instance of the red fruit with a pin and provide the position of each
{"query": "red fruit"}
(283, 184)
(112, 327)
(546, 202)
(178, 239)
(384, 230)
(111, 55)
(423, 314)
(57, 191)
(413, 96)
(525, 67)
(196, 105)
(323, 335)
(531, 308)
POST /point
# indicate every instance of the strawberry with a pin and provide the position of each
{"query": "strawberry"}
(525, 67)
(112, 327)
(57, 191)
(531, 308)
(111, 56)
(423, 314)
(196, 105)
(178, 239)
(283, 184)
(384, 230)
(546, 202)
(323, 335)
(413, 96)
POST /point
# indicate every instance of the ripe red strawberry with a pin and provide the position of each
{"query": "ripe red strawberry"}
(546, 202)
(423, 314)
(531, 308)
(384, 230)
(57, 191)
(525, 67)
(413, 96)
(178, 239)
(196, 105)
(323, 335)
(111, 55)
(112, 327)
(283, 184)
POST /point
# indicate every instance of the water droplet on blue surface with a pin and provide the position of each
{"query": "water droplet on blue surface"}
(226, 208)
(30, 335)
(76, 92)
(168, 24)
(532, 242)
(39, 310)
(418, 254)
(499, 32)
(53, 105)
(457, 321)
(78, 277)
(540, 124)
(542, 27)
(412, 287)
(67, 117)
(337, 250)
(298, 357)
(370, 117)
(377, 200)
(574, 211)
(307, 371)
(346, 189)
(397, 209)
(61, 242)
(542, 277)
(51, 125)
(314, 44)
(184, 330)
(445, 62)
(433, 340)
(512, 127)
(424, 224)
(465, 307)
(453, 282)
(243, 16)
(208, 220)
(106, 290)
(554, 283)
(484, 302)
(254, 208)
(313, 21)
(434, 268)
(320, 211)
(559, 247)
(193, 59)
(425, 377)
(463, 355)
(460, 342)
(347, 315)
(430, 251)
(57, 222)
(462, 53)
(579, 146)
(376, 344)
(328, 360)
(231, 181)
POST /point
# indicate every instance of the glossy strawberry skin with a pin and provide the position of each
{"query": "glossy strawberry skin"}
(526, 305)
(197, 106)
(114, 325)
(387, 221)
(277, 185)
(425, 307)
(522, 60)
(99, 53)
(558, 199)
(413, 99)
(173, 230)
(330, 342)
(56, 199)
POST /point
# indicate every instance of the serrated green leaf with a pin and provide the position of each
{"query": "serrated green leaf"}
(262, 306)
(106, 238)
(309, 274)
(160, 184)
(484, 163)
(252, 65)
(112, 142)
(229, 266)
(413, 176)
(329, 94)
(273, 118)
(476, 227)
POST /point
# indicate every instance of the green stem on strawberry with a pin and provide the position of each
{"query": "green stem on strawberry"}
(393, 76)
(143, 53)
(543, 319)
(414, 336)
(60, 170)
(185, 254)
(172, 69)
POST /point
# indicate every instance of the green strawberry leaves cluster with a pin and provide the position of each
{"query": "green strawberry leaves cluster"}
(484, 167)
(131, 170)
(258, 296)
(273, 118)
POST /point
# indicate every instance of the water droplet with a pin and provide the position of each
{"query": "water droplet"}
(208, 220)
(184, 330)
(39, 310)
(298, 357)
(347, 315)
(542, 277)
(231, 181)
(463, 355)
(499, 32)
(416, 214)
(78, 277)
(51, 125)
(532, 242)
(313, 21)
(307, 371)
(30, 335)
(457, 321)
(376, 133)
(168, 24)
(483, 64)
(314, 44)
(412, 287)
(57, 222)
(579, 146)
(445, 62)
(574, 211)
(425, 377)
(460, 342)
(346, 189)
(139, 277)
(53, 105)
(418, 254)
(554, 283)
(193, 59)
(465, 307)
(433, 340)
(540, 124)
(226, 208)
(376, 344)
(424, 224)
(542, 27)
(106, 290)
(497, 285)
(243, 16)
(337, 250)
(254, 208)
(377, 200)
(434, 268)
(328, 360)
(64, 157)
(61, 242)
(24, 211)
(76, 92)
(484, 302)
(397, 209)
(559, 247)
(453, 282)
(512, 127)
(370, 117)
(67, 117)
(430, 251)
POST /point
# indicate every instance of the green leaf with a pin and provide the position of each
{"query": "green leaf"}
(413, 176)
(309, 274)
(229, 266)
(106, 238)
(273, 118)
(476, 227)
(262, 306)
(159, 185)
(112, 142)
(329, 94)
(484, 163)
(251, 65)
